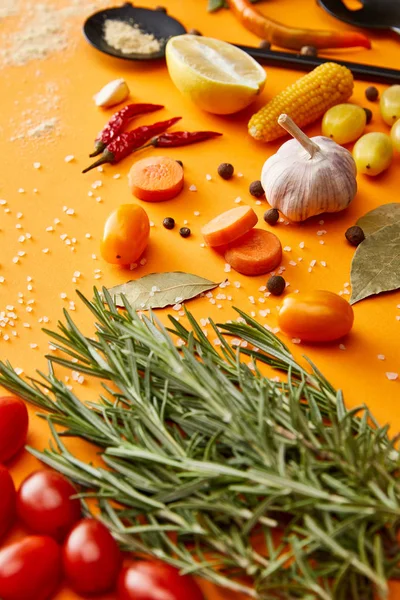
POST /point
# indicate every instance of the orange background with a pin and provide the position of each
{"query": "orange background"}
(81, 71)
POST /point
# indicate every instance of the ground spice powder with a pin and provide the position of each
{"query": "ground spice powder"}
(128, 38)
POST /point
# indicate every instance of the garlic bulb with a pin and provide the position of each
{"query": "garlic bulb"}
(308, 176)
(112, 93)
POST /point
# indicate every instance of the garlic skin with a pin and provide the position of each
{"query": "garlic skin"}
(114, 92)
(309, 176)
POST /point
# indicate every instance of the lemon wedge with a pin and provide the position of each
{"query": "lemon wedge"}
(215, 75)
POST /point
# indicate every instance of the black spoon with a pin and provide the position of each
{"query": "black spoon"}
(163, 27)
(156, 22)
(374, 14)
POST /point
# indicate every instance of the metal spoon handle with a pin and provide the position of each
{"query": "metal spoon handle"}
(288, 60)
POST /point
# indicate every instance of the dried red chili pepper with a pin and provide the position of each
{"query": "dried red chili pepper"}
(118, 121)
(181, 138)
(125, 143)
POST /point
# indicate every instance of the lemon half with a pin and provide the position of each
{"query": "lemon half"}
(215, 75)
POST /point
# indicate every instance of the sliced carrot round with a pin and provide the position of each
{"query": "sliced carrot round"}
(156, 178)
(255, 253)
(229, 226)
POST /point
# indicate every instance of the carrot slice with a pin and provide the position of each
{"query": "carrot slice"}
(156, 178)
(255, 253)
(229, 226)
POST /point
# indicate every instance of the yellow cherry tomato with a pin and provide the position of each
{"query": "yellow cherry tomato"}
(373, 153)
(126, 235)
(395, 135)
(317, 316)
(390, 104)
(344, 123)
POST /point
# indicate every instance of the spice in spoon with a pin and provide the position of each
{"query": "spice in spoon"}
(118, 121)
(125, 143)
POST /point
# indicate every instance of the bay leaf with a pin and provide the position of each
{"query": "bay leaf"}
(387, 214)
(158, 290)
(376, 263)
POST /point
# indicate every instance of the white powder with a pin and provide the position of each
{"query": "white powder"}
(128, 38)
(8, 8)
(43, 128)
(42, 30)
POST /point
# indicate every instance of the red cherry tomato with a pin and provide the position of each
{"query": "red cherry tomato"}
(91, 558)
(45, 505)
(30, 569)
(13, 426)
(7, 500)
(148, 580)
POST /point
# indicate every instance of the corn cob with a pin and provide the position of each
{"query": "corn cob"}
(304, 101)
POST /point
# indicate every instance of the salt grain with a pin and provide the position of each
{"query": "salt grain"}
(238, 200)
(381, 357)
(392, 376)
(36, 165)
(208, 177)
(227, 268)
(193, 188)
(287, 249)
(116, 176)
(21, 191)
(69, 158)
(342, 347)
(45, 250)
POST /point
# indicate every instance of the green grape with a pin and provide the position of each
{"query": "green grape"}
(395, 135)
(373, 153)
(344, 123)
(390, 104)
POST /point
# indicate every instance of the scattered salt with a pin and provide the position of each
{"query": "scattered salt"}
(192, 188)
(37, 165)
(69, 158)
(381, 357)
(392, 376)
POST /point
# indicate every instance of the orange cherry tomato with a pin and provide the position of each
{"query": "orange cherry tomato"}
(316, 316)
(126, 235)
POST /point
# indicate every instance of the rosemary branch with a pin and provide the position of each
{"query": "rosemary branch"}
(270, 488)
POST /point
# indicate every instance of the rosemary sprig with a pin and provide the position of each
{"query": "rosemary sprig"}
(270, 488)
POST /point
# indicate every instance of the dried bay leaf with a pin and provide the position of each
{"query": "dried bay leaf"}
(387, 214)
(158, 290)
(376, 263)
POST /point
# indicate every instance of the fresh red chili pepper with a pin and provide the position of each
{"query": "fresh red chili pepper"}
(125, 143)
(118, 121)
(291, 37)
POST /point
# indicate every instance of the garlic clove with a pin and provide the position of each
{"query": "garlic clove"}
(114, 92)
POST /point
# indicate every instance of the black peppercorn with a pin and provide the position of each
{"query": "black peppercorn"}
(161, 9)
(264, 45)
(169, 223)
(185, 232)
(368, 112)
(194, 32)
(180, 162)
(371, 93)
(271, 216)
(309, 51)
(355, 235)
(225, 170)
(276, 285)
(256, 189)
